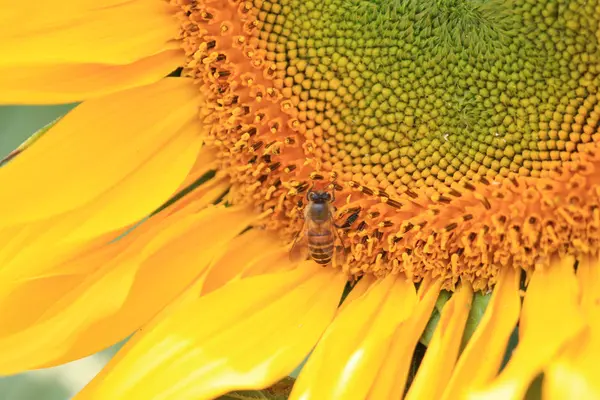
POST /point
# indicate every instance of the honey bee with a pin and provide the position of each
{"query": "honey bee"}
(317, 237)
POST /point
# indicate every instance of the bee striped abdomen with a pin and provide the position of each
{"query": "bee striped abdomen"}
(320, 245)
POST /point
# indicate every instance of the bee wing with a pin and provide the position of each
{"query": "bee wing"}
(340, 253)
(299, 249)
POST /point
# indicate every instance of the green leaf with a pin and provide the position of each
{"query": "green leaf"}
(245, 395)
(535, 389)
(435, 317)
(430, 328)
(187, 190)
(513, 341)
(442, 299)
(294, 374)
(347, 289)
(478, 307)
(279, 391)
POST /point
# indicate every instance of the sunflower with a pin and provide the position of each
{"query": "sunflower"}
(459, 138)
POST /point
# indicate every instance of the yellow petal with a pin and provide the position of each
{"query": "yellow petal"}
(247, 334)
(245, 251)
(64, 51)
(206, 160)
(87, 32)
(123, 205)
(123, 133)
(588, 277)
(74, 82)
(129, 288)
(358, 290)
(24, 257)
(343, 364)
(24, 247)
(481, 359)
(549, 319)
(275, 261)
(393, 372)
(22, 304)
(199, 198)
(437, 365)
(574, 373)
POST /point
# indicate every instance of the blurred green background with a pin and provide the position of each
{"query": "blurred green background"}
(17, 123)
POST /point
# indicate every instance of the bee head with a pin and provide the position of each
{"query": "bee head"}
(319, 196)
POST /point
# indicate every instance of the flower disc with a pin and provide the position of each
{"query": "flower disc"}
(460, 136)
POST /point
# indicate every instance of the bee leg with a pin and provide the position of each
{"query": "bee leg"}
(332, 216)
(300, 208)
(338, 226)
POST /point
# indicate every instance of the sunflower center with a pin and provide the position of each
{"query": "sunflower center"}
(425, 93)
(433, 118)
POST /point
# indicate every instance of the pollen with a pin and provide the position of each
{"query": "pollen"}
(459, 137)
